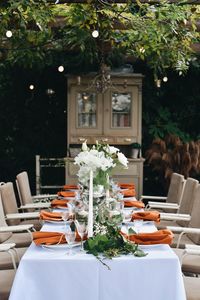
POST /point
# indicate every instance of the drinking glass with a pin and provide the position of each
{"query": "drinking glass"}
(82, 230)
(65, 217)
(137, 225)
(70, 238)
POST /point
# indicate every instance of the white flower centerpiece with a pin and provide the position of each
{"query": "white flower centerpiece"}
(96, 164)
(101, 159)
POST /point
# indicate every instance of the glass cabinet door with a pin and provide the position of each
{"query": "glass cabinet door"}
(121, 107)
(87, 109)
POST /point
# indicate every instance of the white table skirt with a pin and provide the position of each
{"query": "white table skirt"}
(53, 275)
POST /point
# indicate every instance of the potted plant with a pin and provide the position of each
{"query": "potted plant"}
(135, 150)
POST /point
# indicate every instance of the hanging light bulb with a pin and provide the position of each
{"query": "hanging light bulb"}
(31, 87)
(61, 69)
(8, 33)
(165, 79)
(95, 33)
(158, 83)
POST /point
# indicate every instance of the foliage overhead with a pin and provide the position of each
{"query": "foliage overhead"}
(160, 34)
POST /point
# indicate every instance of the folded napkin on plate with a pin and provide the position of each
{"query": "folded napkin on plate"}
(70, 187)
(164, 236)
(128, 193)
(52, 216)
(59, 203)
(66, 194)
(147, 216)
(126, 185)
(48, 238)
(51, 238)
(138, 204)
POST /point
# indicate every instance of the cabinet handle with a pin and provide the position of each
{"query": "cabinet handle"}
(127, 140)
(105, 140)
(81, 139)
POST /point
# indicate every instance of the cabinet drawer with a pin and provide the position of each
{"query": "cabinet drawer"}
(125, 140)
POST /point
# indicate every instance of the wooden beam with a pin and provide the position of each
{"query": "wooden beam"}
(121, 1)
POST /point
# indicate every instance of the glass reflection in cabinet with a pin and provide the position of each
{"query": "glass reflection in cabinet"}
(121, 109)
(87, 114)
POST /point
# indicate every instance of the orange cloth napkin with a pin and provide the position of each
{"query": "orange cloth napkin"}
(54, 216)
(66, 194)
(128, 193)
(48, 238)
(126, 185)
(134, 203)
(51, 238)
(164, 236)
(59, 203)
(70, 187)
(146, 215)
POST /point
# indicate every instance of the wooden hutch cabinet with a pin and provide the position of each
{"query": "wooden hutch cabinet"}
(113, 117)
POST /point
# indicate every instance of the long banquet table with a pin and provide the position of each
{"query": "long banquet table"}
(54, 275)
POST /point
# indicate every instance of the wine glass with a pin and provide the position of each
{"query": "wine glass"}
(137, 224)
(70, 238)
(65, 217)
(82, 230)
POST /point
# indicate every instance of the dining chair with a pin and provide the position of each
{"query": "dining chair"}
(174, 195)
(13, 217)
(183, 209)
(28, 201)
(192, 283)
(191, 233)
(6, 281)
(7, 275)
(19, 234)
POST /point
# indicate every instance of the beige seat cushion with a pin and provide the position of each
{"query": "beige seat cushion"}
(6, 261)
(192, 287)
(190, 263)
(20, 239)
(6, 281)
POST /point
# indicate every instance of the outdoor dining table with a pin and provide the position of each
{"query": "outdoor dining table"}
(53, 274)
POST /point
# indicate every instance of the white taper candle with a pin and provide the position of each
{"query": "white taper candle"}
(90, 213)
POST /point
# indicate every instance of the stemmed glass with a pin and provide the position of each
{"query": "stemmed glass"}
(137, 225)
(70, 238)
(82, 230)
(65, 217)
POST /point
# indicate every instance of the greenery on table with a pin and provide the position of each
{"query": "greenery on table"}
(111, 244)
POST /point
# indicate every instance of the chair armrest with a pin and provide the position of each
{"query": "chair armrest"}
(192, 251)
(44, 196)
(155, 204)
(6, 247)
(26, 215)
(194, 247)
(16, 228)
(182, 231)
(174, 217)
(35, 205)
(153, 197)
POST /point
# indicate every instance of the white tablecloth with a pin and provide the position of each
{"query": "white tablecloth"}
(45, 274)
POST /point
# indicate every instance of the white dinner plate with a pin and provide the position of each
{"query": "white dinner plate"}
(129, 199)
(61, 246)
(57, 222)
(145, 247)
(66, 198)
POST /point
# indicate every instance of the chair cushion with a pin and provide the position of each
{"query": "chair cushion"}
(20, 239)
(6, 261)
(7, 277)
(190, 263)
(192, 287)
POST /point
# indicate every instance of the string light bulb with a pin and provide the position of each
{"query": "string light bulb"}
(95, 33)
(9, 33)
(165, 79)
(31, 87)
(61, 69)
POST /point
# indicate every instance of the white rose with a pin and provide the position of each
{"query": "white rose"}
(122, 159)
(84, 146)
(112, 150)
